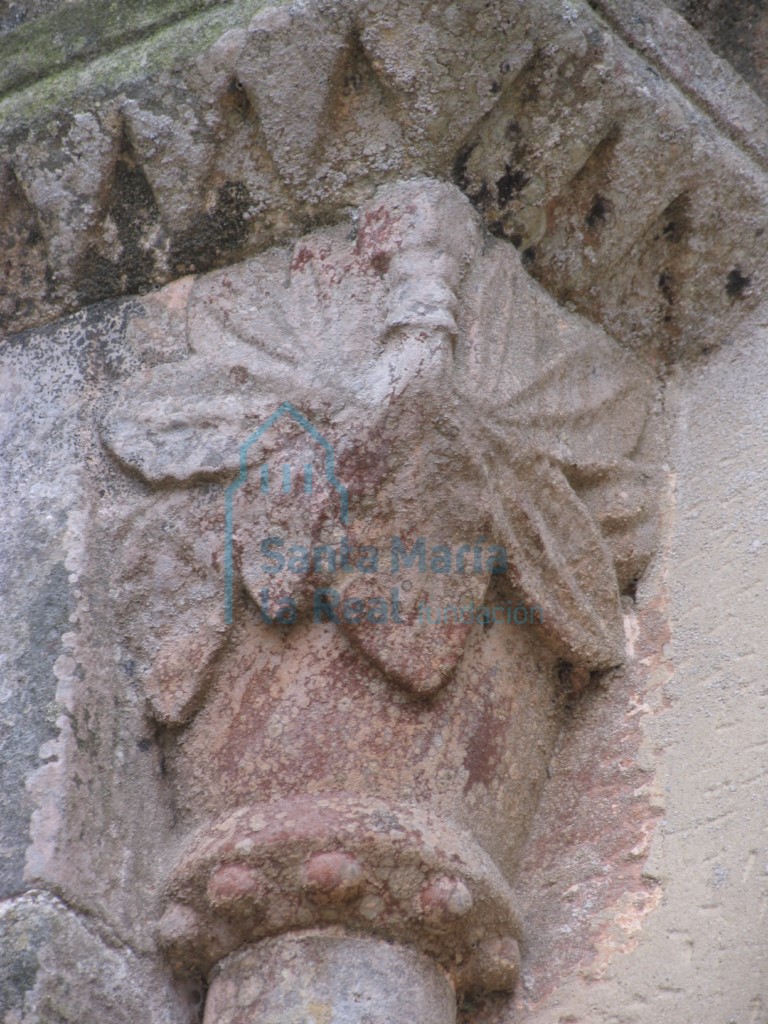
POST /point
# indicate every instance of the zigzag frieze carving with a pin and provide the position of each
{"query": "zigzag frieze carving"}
(569, 144)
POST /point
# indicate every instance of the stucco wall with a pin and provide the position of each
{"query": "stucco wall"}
(701, 956)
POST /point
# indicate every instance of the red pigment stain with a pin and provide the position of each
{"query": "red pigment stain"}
(484, 750)
(376, 235)
(301, 258)
(584, 862)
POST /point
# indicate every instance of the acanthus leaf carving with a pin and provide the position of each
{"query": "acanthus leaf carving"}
(460, 399)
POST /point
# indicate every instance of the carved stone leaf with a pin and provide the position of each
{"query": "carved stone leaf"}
(168, 442)
(559, 450)
(461, 404)
(425, 518)
(424, 629)
(167, 557)
(182, 668)
(563, 567)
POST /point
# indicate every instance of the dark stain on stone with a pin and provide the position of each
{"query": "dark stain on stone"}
(511, 184)
(460, 175)
(674, 224)
(236, 103)
(598, 213)
(132, 208)
(672, 231)
(736, 283)
(24, 271)
(216, 235)
(665, 285)
(380, 262)
(484, 750)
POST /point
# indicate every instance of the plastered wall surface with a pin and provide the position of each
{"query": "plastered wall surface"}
(701, 956)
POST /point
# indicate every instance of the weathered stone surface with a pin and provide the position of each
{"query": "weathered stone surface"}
(735, 29)
(544, 116)
(59, 967)
(682, 751)
(78, 758)
(339, 979)
(678, 52)
(42, 519)
(403, 313)
(301, 740)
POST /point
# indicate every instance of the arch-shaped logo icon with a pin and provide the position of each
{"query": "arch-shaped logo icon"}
(285, 409)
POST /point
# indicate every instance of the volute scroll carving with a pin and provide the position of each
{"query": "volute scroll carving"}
(455, 488)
